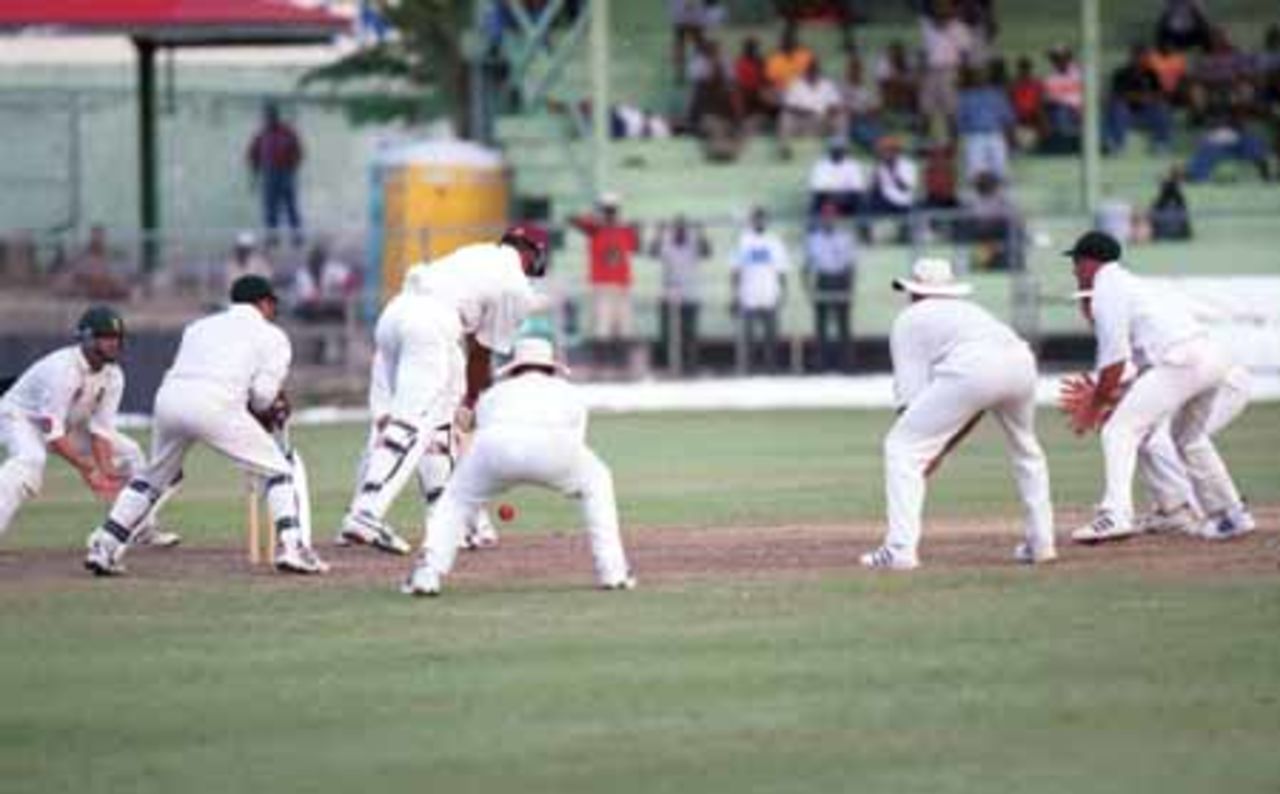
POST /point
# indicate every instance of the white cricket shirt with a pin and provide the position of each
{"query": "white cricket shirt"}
(1136, 320)
(236, 352)
(830, 176)
(486, 284)
(60, 392)
(760, 262)
(533, 401)
(897, 181)
(944, 336)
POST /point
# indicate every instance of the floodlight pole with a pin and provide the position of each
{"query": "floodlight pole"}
(1091, 119)
(600, 93)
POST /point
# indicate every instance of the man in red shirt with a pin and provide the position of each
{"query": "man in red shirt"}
(273, 157)
(612, 244)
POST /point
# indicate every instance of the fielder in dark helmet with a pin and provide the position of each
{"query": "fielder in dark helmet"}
(100, 331)
(531, 242)
(258, 292)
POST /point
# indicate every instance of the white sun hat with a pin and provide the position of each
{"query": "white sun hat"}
(533, 351)
(932, 276)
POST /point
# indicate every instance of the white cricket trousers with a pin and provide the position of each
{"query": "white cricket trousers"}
(1004, 385)
(191, 410)
(22, 473)
(502, 457)
(1181, 389)
(417, 382)
(1160, 467)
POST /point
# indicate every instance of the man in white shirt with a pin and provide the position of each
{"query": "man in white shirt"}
(759, 285)
(531, 429)
(66, 403)
(947, 43)
(953, 362)
(1172, 503)
(811, 105)
(228, 375)
(894, 182)
(836, 178)
(681, 248)
(831, 260)
(434, 341)
(1182, 373)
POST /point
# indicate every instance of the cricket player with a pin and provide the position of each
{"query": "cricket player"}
(225, 389)
(952, 361)
(1172, 503)
(66, 403)
(531, 428)
(1182, 374)
(434, 343)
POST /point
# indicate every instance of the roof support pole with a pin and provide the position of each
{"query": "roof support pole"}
(148, 186)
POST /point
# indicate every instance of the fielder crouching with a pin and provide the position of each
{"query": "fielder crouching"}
(953, 361)
(67, 403)
(229, 367)
(530, 429)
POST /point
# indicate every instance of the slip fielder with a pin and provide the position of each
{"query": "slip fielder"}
(225, 389)
(953, 361)
(66, 403)
(433, 342)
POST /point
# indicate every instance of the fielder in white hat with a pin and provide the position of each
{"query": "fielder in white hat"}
(531, 429)
(952, 362)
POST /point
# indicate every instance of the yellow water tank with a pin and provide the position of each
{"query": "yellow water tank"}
(430, 198)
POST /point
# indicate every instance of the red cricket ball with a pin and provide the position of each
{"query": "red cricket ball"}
(506, 512)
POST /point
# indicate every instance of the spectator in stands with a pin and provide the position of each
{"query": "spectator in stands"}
(681, 248)
(1170, 68)
(838, 181)
(754, 97)
(861, 105)
(245, 260)
(994, 224)
(810, 106)
(714, 111)
(94, 274)
(1063, 100)
(898, 76)
(611, 244)
(948, 43)
(1026, 96)
(274, 155)
(1136, 98)
(687, 28)
(831, 261)
(980, 16)
(1224, 76)
(940, 193)
(1228, 137)
(894, 182)
(1269, 68)
(759, 285)
(985, 121)
(787, 63)
(1170, 218)
(1183, 25)
(323, 287)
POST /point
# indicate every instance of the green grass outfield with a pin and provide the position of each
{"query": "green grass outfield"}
(975, 678)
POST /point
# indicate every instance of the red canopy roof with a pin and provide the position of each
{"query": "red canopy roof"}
(177, 21)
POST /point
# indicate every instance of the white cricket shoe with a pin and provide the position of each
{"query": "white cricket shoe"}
(299, 559)
(627, 582)
(105, 553)
(482, 534)
(1233, 523)
(156, 538)
(422, 581)
(1029, 553)
(885, 558)
(1102, 528)
(360, 529)
(1180, 519)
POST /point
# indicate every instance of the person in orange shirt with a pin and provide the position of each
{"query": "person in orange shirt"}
(786, 63)
(612, 244)
(1170, 67)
